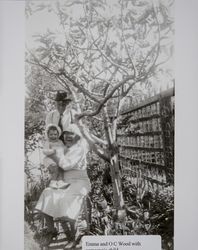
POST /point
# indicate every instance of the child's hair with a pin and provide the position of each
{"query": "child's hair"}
(53, 127)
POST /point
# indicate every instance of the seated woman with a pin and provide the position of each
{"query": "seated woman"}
(67, 204)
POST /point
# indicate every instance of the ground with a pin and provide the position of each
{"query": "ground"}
(59, 244)
(29, 242)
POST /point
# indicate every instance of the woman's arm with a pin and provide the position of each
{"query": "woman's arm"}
(74, 156)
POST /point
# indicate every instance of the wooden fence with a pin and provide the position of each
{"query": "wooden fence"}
(146, 142)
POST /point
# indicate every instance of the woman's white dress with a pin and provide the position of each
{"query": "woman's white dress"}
(60, 203)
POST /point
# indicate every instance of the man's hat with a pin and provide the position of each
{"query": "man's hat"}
(62, 96)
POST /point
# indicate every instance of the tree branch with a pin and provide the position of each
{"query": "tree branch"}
(83, 90)
(154, 47)
(101, 104)
(92, 141)
(101, 52)
(126, 47)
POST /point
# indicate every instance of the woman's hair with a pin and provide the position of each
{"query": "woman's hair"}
(76, 135)
(73, 128)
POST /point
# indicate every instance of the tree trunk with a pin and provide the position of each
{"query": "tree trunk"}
(116, 182)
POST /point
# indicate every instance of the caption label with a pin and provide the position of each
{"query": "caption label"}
(122, 242)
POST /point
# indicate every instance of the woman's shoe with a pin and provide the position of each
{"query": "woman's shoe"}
(70, 245)
(47, 237)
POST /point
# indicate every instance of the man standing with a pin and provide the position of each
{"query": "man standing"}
(62, 115)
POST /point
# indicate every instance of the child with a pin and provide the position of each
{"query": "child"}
(54, 146)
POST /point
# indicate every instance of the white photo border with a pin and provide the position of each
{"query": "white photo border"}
(12, 88)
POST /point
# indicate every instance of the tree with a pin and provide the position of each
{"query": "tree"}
(100, 54)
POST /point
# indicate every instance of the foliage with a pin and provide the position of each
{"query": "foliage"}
(103, 45)
(154, 214)
(34, 109)
(162, 216)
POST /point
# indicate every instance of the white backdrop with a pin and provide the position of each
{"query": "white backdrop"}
(11, 125)
(12, 44)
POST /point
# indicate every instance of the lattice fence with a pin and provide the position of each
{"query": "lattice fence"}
(146, 142)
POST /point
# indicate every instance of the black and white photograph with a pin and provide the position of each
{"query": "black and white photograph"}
(99, 121)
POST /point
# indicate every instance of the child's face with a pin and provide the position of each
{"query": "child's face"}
(53, 135)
